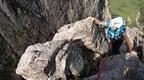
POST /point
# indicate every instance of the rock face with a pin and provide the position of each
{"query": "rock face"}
(121, 67)
(85, 30)
(135, 35)
(51, 60)
(65, 56)
(7, 61)
(137, 39)
(74, 52)
(26, 22)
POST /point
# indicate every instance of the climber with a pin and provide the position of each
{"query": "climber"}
(116, 32)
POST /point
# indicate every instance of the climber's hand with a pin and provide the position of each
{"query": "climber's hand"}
(97, 21)
(133, 54)
(102, 23)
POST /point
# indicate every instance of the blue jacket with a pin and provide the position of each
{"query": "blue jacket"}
(114, 33)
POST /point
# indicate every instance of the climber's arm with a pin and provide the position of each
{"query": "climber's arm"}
(129, 45)
(97, 21)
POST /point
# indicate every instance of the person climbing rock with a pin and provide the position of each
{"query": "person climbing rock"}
(116, 32)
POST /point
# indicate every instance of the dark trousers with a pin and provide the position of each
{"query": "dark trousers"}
(115, 46)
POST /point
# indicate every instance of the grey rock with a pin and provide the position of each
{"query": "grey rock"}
(135, 35)
(51, 60)
(85, 30)
(27, 22)
(121, 67)
(65, 55)
(69, 54)
(74, 50)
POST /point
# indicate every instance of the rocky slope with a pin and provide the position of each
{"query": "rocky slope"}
(72, 52)
(75, 51)
(26, 22)
(120, 67)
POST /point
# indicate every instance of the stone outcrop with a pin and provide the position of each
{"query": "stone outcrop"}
(68, 54)
(135, 35)
(92, 36)
(137, 39)
(27, 22)
(75, 49)
(51, 61)
(121, 67)
(75, 52)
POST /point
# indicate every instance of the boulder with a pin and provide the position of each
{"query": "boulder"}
(27, 22)
(51, 60)
(120, 67)
(75, 51)
(92, 36)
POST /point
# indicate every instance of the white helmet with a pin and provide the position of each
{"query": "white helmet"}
(117, 22)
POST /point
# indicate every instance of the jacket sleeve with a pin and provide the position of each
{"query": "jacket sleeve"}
(107, 23)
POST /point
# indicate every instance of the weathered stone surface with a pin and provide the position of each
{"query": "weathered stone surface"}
(75, 51)
(137, 39)
(51, 60)
(60, 59)
(92, 36)
(121, 67)
(27, 22)
(7, 61)
(135, 35)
